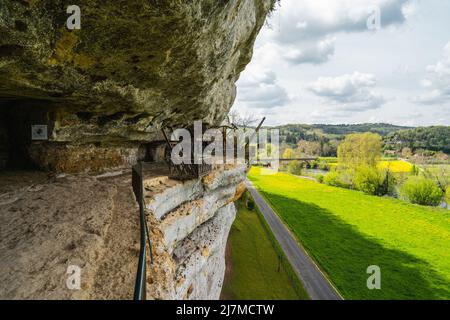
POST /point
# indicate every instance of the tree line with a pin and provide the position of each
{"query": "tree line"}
(324, 140)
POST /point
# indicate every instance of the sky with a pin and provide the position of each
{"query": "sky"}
(351, 61)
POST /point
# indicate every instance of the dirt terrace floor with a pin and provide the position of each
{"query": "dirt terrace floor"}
(48, 223)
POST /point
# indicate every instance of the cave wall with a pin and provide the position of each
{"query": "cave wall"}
(134, 66)
(17, 118)
(4, 142)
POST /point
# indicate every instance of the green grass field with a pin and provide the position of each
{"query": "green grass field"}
(346, 231)
(438, 168)
(257, 271)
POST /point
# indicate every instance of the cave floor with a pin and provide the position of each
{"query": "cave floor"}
(50, 222)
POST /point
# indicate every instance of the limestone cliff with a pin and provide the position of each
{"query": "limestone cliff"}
(104, 92)
(191, 224)
(133, 67)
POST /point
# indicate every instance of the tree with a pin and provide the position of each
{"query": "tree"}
(374, 181)
(429, 138)
(269, 150)
(329, 149)
(288, 153)
(309, 148)
(360, 150)
(440, 174)
(242, 120)
(414, 170)
(295, 167)
(407, 153)
(441, 157)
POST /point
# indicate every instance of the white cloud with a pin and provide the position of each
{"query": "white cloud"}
(307, 39)
(306, 29)
(319, 18)
(437, 81)
(349, 92)
(314, 53)
(260, 90)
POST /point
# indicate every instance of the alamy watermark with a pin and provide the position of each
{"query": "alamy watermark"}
(74, 20)
(374, 20)
(73, 281)
(374, 280)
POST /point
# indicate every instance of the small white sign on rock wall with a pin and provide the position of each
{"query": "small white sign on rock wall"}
(39, 132)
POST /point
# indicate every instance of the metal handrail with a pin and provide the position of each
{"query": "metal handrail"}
(141, 278)
(185, 171)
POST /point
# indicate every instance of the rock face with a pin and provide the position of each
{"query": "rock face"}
(191, 224)
(93, 223)
(100, 96)
(133, 67)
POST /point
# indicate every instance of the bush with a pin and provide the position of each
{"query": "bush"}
(320, 178)
(368, 180)
(374, 181)
(336, 179)
(324, 166)
(331, 178)
(295, 167)
(420, 190)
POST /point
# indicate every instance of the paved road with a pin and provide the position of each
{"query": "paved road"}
(315, 283)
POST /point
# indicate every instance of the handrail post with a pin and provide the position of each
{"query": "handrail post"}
(141, 278)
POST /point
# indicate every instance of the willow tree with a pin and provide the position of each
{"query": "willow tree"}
(362, 149)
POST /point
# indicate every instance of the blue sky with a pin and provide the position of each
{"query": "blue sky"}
(318, 62)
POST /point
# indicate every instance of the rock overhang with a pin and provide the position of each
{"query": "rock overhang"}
(133, 67)
(103, 91)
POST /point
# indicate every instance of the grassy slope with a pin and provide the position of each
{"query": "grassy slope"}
(346, 231)
(255, 263)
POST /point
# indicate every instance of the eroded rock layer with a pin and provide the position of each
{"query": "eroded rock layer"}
(192, 221)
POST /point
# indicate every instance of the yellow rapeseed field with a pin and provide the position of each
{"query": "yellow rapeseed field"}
(397, 166)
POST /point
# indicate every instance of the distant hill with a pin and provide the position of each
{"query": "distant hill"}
(344, 129)
(427, 138)
(292, 133)
(395, 137)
